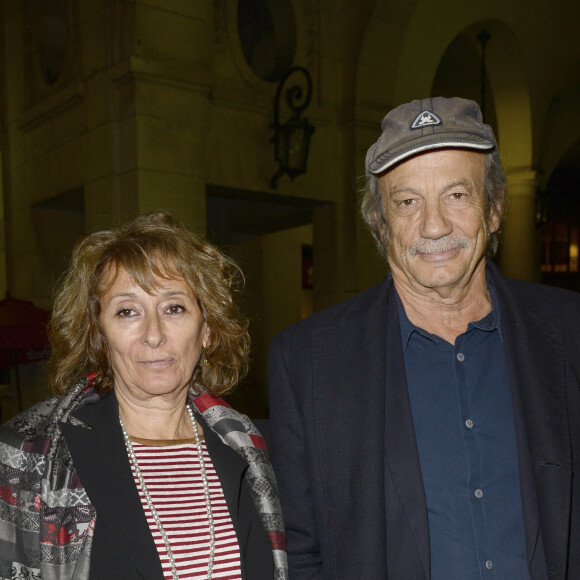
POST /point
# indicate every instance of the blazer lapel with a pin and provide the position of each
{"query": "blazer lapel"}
(354, 435)
(534, 349)
(348, 363)
(101, 461)
(400, 445)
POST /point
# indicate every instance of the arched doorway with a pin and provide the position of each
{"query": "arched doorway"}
(559, 221)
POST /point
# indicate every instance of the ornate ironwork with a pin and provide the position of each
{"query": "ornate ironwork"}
(292, 138)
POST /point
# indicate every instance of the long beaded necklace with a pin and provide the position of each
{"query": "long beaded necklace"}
(149, 500)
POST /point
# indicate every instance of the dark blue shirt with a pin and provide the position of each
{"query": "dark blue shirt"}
(464, 424)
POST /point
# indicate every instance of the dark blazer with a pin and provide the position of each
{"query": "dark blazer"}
(344, 450)
(123, 546)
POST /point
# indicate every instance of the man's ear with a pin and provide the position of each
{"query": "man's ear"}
(496, 212)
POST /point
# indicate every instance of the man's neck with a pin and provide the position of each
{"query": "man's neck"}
(444, 312)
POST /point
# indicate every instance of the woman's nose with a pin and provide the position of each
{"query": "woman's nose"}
(153, 335)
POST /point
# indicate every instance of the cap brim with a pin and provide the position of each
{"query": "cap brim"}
(387, 159)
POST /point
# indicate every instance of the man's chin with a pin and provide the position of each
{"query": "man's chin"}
(438, 276)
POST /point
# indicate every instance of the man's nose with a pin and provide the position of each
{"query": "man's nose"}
(434, 221)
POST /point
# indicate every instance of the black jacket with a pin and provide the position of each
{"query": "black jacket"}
(123, 546)
(343, 445)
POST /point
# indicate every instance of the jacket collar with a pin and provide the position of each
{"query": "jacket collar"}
(101, 461)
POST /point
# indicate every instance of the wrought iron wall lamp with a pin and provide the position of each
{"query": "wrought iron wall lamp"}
(292, 138)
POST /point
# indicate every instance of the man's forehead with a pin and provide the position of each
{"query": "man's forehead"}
(447, 164)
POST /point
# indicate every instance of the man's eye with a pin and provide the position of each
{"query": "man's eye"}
(458, 195)
(407, 202)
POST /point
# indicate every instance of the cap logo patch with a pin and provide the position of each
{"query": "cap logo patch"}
(425, 119)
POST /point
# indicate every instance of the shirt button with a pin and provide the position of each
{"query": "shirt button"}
(489, 564)
(460, 357)
(478, 493)
(469, 424)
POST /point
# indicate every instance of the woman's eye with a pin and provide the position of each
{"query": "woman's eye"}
(125, 313)
(176, 309)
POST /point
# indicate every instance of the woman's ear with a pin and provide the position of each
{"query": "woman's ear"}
(206, 335)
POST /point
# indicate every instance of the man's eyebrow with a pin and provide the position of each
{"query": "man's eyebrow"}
(469, 185)
(401, 189)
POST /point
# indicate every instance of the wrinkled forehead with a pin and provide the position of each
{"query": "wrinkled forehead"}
(439, 169)
(151, 277)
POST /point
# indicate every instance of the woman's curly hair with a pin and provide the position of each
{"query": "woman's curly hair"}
(152, 246)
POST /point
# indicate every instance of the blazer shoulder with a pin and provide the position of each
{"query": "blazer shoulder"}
(346, 312)
(540, 308)
(550, 300)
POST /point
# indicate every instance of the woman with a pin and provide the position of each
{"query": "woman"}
(137, 469)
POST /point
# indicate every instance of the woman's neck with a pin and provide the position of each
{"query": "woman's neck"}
(155, 419)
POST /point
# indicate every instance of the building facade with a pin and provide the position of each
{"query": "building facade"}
(110, 108)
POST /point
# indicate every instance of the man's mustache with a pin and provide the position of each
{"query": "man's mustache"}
(426, 246)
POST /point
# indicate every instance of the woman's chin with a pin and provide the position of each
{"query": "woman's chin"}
(154, 384)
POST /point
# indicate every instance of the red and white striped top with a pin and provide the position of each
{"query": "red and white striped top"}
(173, 477)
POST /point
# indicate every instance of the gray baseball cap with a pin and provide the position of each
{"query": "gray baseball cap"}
(427, 124)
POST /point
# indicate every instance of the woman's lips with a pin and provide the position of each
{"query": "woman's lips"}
(157, 363)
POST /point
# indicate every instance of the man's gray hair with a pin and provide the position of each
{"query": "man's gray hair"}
(494, 188)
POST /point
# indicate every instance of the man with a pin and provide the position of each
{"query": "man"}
(429, 428)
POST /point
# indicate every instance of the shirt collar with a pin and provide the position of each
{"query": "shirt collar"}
(488, 323)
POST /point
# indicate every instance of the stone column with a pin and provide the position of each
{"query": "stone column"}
(518, 257)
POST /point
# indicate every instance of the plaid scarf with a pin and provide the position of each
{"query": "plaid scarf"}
(46, 517)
